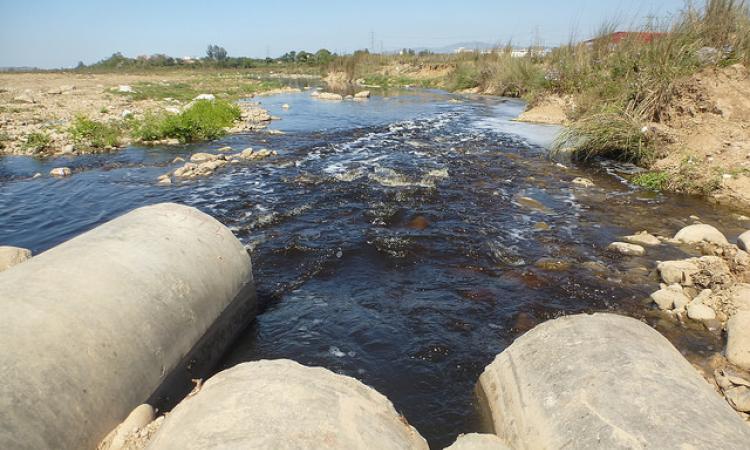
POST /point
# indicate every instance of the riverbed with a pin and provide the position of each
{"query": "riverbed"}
(404, 240)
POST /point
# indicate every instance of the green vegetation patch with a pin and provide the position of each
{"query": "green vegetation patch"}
(653, 181)
(205, 119)
(160, 91)
(37, 142)
(94, 134)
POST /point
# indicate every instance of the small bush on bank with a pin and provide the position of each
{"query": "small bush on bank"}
(36, 142)
(206, 119)
(653, 181)
(90, 133)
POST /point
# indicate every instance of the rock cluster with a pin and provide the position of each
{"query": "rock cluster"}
(204, 164)
(713, 289)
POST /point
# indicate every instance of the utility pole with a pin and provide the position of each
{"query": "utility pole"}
(372, 41)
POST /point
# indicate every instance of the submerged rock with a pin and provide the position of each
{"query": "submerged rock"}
(12, 256)
(203, 157)
(60, 172)
(329, 96)
(627, 249)
(697, 233)
(583, 182)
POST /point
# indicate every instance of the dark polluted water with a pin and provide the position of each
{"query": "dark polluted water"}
(403, 241)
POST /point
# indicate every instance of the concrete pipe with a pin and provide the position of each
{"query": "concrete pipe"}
(270, 405)
(108, 320)
(604, 381)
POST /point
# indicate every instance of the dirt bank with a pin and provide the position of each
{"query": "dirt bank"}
(46, 103)
(704, 140)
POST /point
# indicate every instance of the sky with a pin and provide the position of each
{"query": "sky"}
(59, 33)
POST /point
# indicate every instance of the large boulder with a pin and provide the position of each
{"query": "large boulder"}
(284, 405)
(738, 339)
(11, 256)
(604, 381)
(694, 234)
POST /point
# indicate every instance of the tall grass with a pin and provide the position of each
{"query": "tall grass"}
(620, 87)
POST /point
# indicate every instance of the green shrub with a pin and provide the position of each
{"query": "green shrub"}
(37, 142)
(205, 119)
(95, 134)
(653, 181)
(151, 128)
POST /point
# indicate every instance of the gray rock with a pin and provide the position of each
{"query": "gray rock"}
(68, 149)
(667, 298)
(125, 89)
(203, 157)
(693, 234)
(739, 398)
(708, 55)
(205, 97)
(60, 172)
(740, 296)
(477, 441)
(284, 405)
(743, 241)
(700, 312)
(330, 96)
(604, 382)
(583, 182)
(24, 97)
(627, 249)
(12, 256)
(642, 238)
(677, 272)
(738, 339)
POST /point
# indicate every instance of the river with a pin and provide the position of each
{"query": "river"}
(404, 241)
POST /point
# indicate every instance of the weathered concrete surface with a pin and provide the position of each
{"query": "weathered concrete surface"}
(12, 256)
(477, 441)
(281, 404)
(91, 328)
(604, 381)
